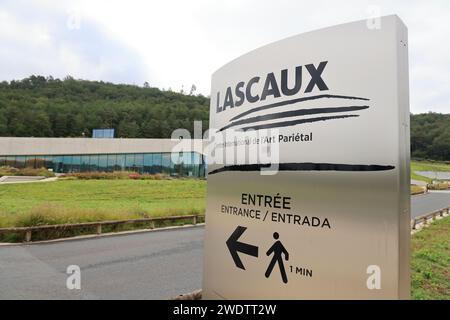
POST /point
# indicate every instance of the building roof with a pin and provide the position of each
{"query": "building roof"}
(65, 146)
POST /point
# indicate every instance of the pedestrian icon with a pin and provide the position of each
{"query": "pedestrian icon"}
(278, 250)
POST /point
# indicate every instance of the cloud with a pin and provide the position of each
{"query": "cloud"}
(42, 40)
(177, 43)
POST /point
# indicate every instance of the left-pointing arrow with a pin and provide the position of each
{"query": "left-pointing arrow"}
(235, 246)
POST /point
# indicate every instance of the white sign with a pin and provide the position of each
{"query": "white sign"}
(308, 178)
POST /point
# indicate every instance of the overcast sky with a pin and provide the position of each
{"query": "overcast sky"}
(171, 44)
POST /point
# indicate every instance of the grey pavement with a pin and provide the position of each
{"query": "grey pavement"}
(418, 182)
(435, 174)
(150, 265)
(431, 201)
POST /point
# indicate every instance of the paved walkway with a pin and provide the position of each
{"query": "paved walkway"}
(435, 174)
(24, 179)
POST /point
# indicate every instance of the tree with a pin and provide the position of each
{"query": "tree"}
(39, 124)
(127, 129)
(430, 136)
(193, 89)
(3, 124)
(47, 106)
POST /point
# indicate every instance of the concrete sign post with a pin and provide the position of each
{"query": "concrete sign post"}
(308, 174)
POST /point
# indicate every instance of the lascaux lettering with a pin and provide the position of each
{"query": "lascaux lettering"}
(271, 86)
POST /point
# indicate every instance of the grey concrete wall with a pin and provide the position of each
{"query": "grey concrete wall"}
(61, 146)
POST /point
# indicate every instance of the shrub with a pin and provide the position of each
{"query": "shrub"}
(134, 176)
(99, 175)
(115, 175)
(417, 190)
(50, 214)
(439, 186)
(11, 171)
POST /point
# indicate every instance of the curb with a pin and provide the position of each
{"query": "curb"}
(103, 235)
(196, 295)
(420, 194)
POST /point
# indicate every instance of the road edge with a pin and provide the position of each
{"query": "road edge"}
(103, 235)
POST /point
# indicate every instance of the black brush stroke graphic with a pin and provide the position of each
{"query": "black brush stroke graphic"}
(287, 102)
(305, 166)
(293, 113)
(295, 122)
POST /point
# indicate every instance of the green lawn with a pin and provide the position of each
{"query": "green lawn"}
(70, 201)
(429, 166)
(430, 262)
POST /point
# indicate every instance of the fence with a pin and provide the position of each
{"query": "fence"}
(425, 217)
(28, 231)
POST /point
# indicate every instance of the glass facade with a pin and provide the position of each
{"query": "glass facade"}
(184, 164)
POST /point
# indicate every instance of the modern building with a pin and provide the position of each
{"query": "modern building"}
(65, 155)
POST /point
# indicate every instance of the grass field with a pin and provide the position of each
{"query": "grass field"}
(430, 262)
(71, 201)
(430, 166)
(427, 166)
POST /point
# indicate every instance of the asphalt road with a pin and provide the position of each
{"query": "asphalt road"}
(150, 265)
(429, 202)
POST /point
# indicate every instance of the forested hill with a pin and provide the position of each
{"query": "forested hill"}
(430, 136)
(47, 107)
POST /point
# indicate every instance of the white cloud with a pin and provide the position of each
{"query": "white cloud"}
(37, 39)
(176, 42)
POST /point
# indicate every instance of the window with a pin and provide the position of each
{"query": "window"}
(166, 163)
(20, 162)
(102, 162)
(195, 164)
(112, 163)
(93, 162)
(139, 162)
(58, 164)
(120, 163)
(157, 163)
(76, 163)
(129, 162)
(48, 162)
(40, 162)
(30, 161)
(84, 163)
(177, 164)
(188, 168)
(148, 163)
(67, 164)
(203, 168)
(11, 161)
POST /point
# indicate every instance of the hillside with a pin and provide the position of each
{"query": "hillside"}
(47, 107)
(430, 136)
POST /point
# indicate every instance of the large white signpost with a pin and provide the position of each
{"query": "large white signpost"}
(330, 218)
